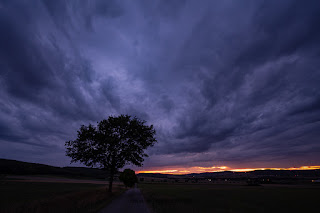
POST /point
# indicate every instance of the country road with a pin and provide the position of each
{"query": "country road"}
(131, 201)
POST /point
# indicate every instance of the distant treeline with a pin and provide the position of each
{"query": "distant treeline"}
(252, 174)
(13, 167)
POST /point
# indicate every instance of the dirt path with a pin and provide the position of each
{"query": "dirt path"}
(131, 201)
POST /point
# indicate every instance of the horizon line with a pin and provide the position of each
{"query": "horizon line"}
(199, 170)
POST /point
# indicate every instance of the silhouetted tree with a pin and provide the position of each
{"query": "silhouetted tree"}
(112, 144)
(128, 177)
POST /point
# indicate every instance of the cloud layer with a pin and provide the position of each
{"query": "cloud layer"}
(225, 83)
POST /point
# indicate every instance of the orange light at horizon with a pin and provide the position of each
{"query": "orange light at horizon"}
(305, 168)
(181, 171)
(198, 169)
(159, 171)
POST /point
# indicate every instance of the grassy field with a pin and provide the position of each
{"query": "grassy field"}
(53, 197)
(196, 198)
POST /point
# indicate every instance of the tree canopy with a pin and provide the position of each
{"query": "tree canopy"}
(113, 143)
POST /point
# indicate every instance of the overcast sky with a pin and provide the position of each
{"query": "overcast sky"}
(232, 83)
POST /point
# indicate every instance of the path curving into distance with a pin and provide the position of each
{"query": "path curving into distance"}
(131, 201)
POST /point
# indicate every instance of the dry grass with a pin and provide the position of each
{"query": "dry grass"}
(49, 198)
(199, 198)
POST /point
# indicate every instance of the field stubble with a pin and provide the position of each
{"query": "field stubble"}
(24, 197)
(175, 198)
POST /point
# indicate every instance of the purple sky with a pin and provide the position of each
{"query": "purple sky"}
(233, 83)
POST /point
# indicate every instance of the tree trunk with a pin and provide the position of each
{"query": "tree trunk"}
(110, 181)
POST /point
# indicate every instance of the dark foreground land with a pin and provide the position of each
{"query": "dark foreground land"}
(41, 197)
(202, 198)
(28, 187)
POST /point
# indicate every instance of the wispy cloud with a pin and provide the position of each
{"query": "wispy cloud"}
(225, 83)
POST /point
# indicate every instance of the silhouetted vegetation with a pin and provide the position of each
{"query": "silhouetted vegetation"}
(128, 177)
(112, 143)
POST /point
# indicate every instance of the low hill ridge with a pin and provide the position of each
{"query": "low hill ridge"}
(15, 167)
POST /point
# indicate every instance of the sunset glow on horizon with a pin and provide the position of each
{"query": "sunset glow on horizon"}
(182, 171)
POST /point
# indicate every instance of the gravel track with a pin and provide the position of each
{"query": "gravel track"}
(131, 201)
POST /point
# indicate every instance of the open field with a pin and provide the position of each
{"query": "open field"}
(53, 179)
(17, 196)
(188, 198)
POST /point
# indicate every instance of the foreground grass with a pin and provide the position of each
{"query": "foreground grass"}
(177, 198)
(16, 197)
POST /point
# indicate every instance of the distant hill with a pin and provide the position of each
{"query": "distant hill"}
(252, 174)
(15, 167)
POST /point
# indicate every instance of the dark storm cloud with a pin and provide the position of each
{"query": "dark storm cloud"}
(45, 80)
(224, 82)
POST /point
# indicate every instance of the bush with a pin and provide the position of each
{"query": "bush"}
(128, 177)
